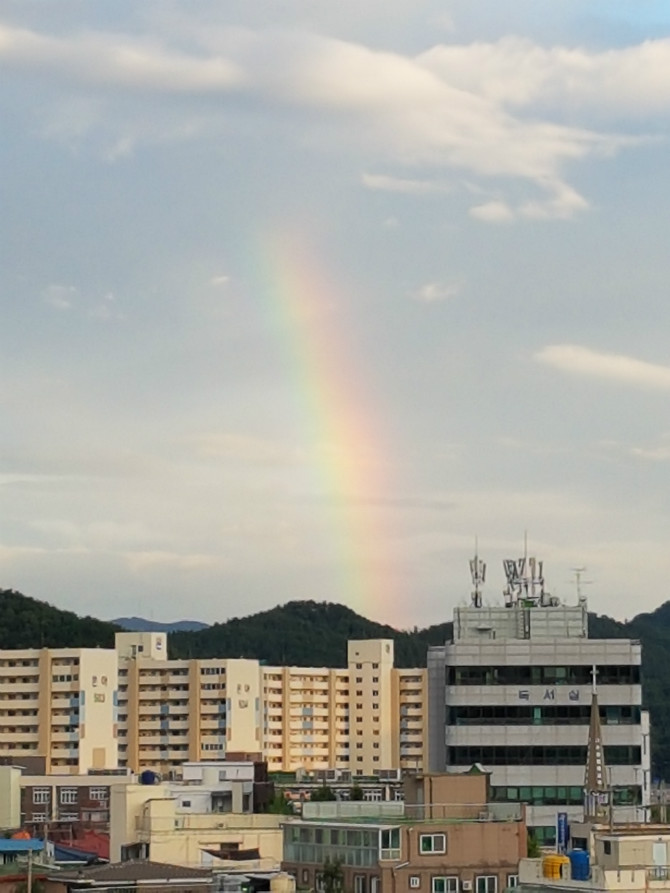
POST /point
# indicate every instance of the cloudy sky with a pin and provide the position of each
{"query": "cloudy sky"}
(299, 298)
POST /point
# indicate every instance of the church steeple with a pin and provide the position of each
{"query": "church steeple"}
(596, 788)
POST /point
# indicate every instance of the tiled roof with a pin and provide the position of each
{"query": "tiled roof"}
(135, 870)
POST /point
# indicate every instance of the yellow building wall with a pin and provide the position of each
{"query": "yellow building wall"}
(98, 742)
(10, 798)
(147, 814)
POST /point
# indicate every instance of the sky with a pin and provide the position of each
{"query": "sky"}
(300, 299)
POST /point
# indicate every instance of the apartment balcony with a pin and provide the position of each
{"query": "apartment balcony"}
(14, 688)
(17, 737)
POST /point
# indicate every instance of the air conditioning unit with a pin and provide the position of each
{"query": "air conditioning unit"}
(466, 885)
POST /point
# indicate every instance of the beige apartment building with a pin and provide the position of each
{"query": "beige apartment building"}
(134, 708)
(60, 704)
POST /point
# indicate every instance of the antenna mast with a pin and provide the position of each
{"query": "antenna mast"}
(478, 574)
(525, 581)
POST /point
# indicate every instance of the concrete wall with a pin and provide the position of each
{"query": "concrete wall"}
(10, 797)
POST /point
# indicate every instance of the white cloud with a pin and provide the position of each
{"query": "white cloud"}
(219, 280)
(432, 292)
(435, 108)
(60, 297)
(516, 72)
(493, 212)
(386, 183)
(578, 360)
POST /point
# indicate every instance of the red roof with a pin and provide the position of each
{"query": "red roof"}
(92, 842)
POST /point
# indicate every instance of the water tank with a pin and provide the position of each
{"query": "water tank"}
(580, 865)
(148, 777)
(552, 866)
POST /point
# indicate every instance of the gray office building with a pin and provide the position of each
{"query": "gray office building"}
(513, 692)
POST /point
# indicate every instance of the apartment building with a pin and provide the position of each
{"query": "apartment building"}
(513, 691)
(366, 718)
(134, 708)
(59, 704)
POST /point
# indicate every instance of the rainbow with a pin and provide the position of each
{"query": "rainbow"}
(340, 429)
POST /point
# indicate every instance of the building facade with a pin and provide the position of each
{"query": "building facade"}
(132, 707)
(60, 704)
(513, 690)
(445, 838)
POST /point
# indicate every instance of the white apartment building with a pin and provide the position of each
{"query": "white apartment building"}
(513, 690)
(132, 707)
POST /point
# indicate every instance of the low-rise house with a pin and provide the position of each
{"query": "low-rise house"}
(143, 875)
(448, 842)
(65, 804)
(203, 820)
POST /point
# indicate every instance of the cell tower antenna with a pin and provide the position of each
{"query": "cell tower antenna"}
(580, 581)
(478, 574)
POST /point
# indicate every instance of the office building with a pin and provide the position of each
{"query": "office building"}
(513, 691)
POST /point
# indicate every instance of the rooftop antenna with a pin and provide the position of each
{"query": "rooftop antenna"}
(579, 582)
(525, 580)
(478, 574)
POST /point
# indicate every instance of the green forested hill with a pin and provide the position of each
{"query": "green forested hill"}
(311, 633)
(28, 623)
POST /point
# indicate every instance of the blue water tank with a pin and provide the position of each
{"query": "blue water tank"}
(148, 777)
(580, 865)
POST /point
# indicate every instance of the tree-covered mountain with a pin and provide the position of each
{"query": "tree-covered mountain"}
(307, 633)
(28, 623)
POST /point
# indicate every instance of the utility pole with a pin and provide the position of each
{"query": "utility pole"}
(29, 883)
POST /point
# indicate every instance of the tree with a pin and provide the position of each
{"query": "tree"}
(333, 876)
(280, 805)
(356, 792)
(532, 847)
(322, 794)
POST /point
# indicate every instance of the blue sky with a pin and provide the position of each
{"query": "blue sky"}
(480, 192)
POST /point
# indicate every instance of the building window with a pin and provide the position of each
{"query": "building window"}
(68, 795)
(98, 793)
(389, 843)
(512, 880)
(414, 881)
(445, 885)
(359, 883)
(432, 843)
(607, 847)
(41, 795)
(487, 883)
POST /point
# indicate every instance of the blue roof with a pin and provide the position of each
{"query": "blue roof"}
(20, 845)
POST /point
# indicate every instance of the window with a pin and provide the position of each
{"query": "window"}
(414, 881)
(41, 795)
(68, 795)
(432, 843)
(487, 883)
(512, 880)
(389, 843)
(98, 793)
(607, 847)
(445, 885)
(359, 883)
